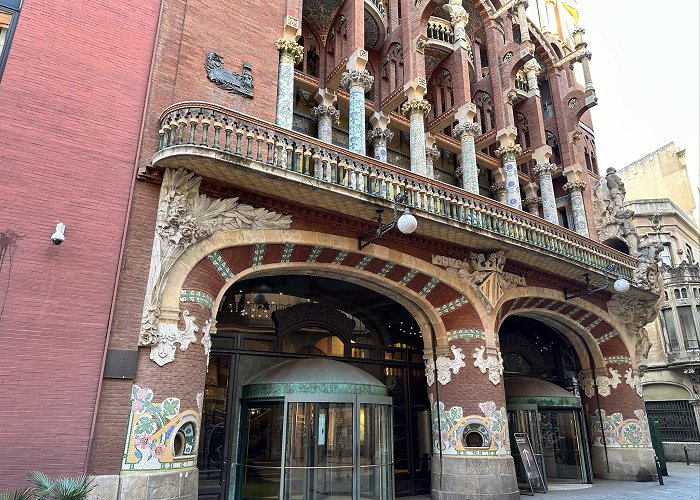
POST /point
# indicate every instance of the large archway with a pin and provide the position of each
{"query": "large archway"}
(268, 319)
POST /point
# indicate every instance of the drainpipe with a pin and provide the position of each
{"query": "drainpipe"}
(437, 398)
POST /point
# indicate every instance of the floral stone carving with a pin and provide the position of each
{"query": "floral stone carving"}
(603, 382)
(634, 382)
(493, 362)
(169, 335)
(445, 366)
(184, 218)
(635, 314)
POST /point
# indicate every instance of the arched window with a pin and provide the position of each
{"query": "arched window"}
(523, 130)
(440, 93)
(553, 143)
(485, 114)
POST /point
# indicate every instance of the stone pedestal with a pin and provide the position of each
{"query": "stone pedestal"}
(472, 478)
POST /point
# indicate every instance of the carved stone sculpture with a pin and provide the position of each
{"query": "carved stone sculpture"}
(486, 361)
(444, 366)
(184, 218)
(458, 17)
(635, 314)
(228, 80)
(169, 335)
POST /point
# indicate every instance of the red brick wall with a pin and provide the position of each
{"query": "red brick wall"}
(71, 102)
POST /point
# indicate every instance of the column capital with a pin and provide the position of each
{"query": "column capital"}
(532, 201)
(498, 186)
(468, 129)
(325, 96)
(532, 65)
(466, 113)
(415, 89)
(509, 150)
(506, 136)
(415, 106)
(585, 54)
(356, 78)
(379, 134)
(545, 168)
(290, 48)
(574, 186)
(542, 154)
(432, 151)
(326, 110)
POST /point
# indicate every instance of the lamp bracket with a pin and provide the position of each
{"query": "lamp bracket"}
(589, 289)
(365, 239)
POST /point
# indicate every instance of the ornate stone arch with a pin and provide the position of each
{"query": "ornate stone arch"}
(439, 300)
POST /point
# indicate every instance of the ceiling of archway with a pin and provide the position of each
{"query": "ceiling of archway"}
(320, 14)
(372, 308)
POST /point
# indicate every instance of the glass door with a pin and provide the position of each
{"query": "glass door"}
(561, 445)
(523, 419)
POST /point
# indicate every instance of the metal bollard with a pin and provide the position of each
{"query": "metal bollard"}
(658, 470)
(685, 450)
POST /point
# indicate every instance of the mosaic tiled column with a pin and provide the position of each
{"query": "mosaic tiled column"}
(290, 53)
(549, 203)
(508, 155)
(575, 190)
(326, 116)
(532, 205)
(416, 109)
(466, 132)
(499, 191)
(357, 82)
(379, 139)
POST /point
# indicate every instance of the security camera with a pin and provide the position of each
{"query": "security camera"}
(58, 235)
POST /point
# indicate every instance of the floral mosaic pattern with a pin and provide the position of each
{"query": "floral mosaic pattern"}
(450, 425)
(512, 186)
(417, 143)
(285, 92)
(152, 430)
(617, 432)
(356, 120)
(579, 213)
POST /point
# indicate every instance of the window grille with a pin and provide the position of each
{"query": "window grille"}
(677, 420)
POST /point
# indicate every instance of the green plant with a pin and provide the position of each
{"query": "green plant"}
(25, 494)
(62, 488)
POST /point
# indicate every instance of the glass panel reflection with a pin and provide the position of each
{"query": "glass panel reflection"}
(262, 450)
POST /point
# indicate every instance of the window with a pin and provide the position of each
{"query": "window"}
(689, 254)
(665, 255)
(685, 315)
(670, 326)
(563, 216)
(9, 12)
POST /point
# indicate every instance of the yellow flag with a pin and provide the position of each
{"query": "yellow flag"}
(572, 11)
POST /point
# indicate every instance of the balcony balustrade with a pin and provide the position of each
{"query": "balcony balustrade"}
(440, 30)
(193, 134)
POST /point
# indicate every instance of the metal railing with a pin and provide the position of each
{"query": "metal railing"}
(203, 125)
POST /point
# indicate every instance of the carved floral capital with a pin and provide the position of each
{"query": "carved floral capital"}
(415, 106)
(290, 48)
(545, 168)
(574, 186)
(380, 134)
(326, 110)
(509, 151)
(356, 78)
(466, 129)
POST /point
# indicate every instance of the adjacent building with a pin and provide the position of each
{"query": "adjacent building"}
(353, 248)
(671, 378)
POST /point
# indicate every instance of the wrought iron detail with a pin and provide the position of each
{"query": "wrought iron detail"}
(228, 80)
(677, 420)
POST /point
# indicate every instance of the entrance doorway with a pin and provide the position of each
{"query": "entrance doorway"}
(542, 400)
(264, 322)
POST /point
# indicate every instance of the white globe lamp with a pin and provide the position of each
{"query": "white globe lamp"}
(407, 223)
(621, 285)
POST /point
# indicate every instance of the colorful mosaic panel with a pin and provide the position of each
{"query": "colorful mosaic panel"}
(152, 430)
(287, 252)
(364, 262)
(408, 277)
(452, 306)
(429, 286)
(549, 203)
(604, 338)
(387, 268)
(466, 334)
(470, 171)
(579, 212)
(356, 120)
(199, 297)
(595, 323)
(614, 431)
(512, 186)
(451, 426)
(220, 265)
(285, 93)
(315, 252)
(342, 255)
(258, 254)
(417, 143)
(619, 360)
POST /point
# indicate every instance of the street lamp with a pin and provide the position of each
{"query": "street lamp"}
(406, 223)
(621, 285)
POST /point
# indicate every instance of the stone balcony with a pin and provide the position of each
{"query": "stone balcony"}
(246, 152)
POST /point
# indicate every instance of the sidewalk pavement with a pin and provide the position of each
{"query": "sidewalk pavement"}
(682, 483)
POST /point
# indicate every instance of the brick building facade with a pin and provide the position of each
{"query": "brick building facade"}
(264, 145)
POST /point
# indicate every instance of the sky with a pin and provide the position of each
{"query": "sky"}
(646, 72)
